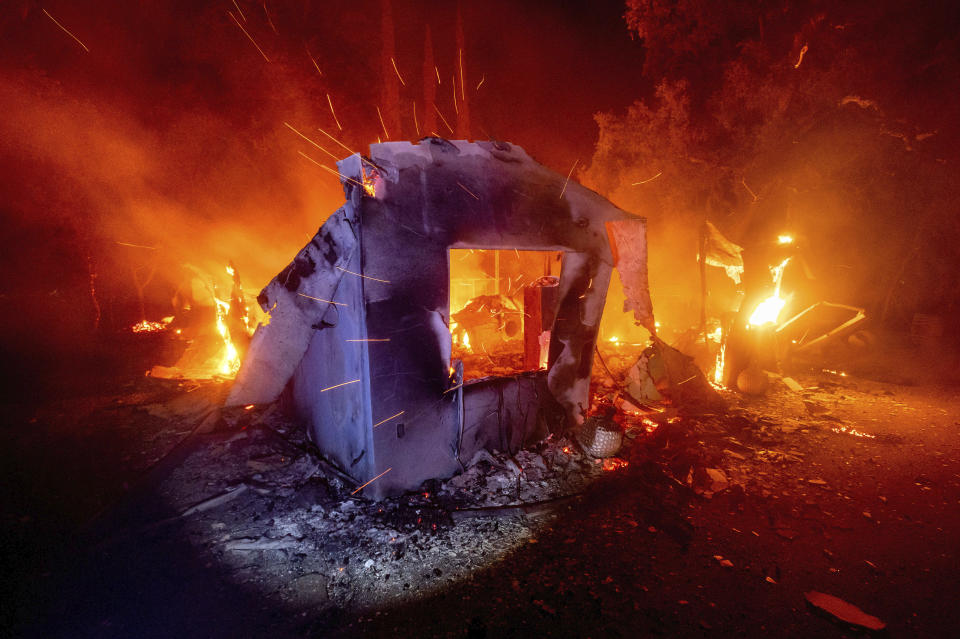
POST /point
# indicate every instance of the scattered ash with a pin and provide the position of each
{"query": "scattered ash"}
(254, 497)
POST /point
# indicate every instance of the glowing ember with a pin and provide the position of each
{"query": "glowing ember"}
(847, 430)
(146, 326)
(369, 184)
(614, 463)
(614, 339)
(784, 239)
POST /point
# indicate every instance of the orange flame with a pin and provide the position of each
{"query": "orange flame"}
(769, 309)
(721, 358)
(230, 360)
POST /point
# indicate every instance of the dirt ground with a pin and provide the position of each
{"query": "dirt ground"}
(121, 520)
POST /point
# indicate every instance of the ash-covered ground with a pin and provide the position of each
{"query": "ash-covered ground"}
(149, 512)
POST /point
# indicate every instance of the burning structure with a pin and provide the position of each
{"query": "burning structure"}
(148, 145)
(359, 324)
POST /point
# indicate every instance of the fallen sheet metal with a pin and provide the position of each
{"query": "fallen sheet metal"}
(817, 324)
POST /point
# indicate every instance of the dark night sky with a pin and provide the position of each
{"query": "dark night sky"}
(170, 129)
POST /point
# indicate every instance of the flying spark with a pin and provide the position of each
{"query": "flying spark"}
(463, 95)
(453, 81)
(380, 115)
(648, 179)
(482, 80)
(342, 176)
(803, 50)
(320, 299)
(568, 178)
(443, 119)
(438, 73)
(333, 172)
(305, 156)
(230, 13)
(384, 421)
(333, 113)
(468, 191)
(347, 148)
(65, 30)
(269, 21)
(311, 141)
(452, 388)
(394, 63)
(352, 381)
(366, 277)
(755, 197)
(380, 339)
(314, 60)
(239, 10)
(149, 248)
(415, 123)
(362, 486)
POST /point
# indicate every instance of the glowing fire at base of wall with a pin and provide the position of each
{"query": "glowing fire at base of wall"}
(718, 368)
(196, 362)
(230, 361)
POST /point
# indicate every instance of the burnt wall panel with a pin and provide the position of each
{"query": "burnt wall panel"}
(506, 413)
(338, 419)
(406, 290)
(277, 347)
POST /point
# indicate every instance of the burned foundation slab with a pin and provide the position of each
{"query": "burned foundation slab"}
(360, 320)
